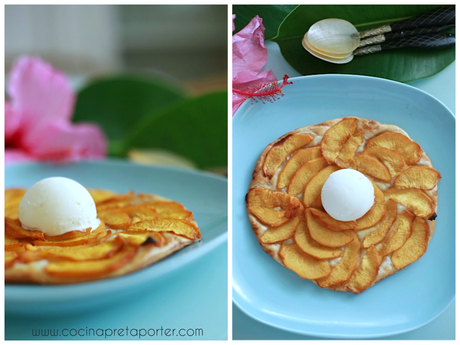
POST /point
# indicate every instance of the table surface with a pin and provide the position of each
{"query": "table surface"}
(442, 87)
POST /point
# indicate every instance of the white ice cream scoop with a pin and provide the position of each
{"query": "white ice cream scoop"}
(57, 205)
(347, 195)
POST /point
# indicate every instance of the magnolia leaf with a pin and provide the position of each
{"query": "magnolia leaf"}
(116, 103)
(401, 65)
(272, 16)
(194, 128)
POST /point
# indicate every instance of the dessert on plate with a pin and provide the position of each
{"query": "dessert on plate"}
(344, 203)
(58, 232)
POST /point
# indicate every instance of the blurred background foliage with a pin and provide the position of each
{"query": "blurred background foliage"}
(154, 77)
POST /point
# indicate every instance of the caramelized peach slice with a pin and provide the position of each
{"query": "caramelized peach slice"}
(335, 138)
(348, 150)
(10, 259)
(372, 167)
(409, 150)
(115, 218)
(170, 209)
(304, 174)
(100, 195)
(283, 232)
(115, 202)
(84, 253)
(97, 235)
(313, 188)
(295, 162)
(414, 247)
(401, 231)
(13, 198)
(392, 159)
(331, 223)
(418, 176)
(311, 247)
(155, 239)
(378, 233)
(280, 150)
(326, 237)
(140, 212)
(378, 194)
(303, 264)
(91, 269)
(13, 229)
(343, 270)
(14, 244)
(415, 200)
(372, 217)
(367, 271)
(177, 226)
(271, 207)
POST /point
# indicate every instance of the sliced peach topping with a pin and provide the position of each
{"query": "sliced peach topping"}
(418, 176)
(295, 162)
(415, 200)
(91, 269)
(372, 217)
(372, 167)
(303, 264)
(282, 232)
(170, 209)
(367, 271)
(409, 150)
(380, 230)
(280, 150)
(271, 207)
(13, 229)
(348, 150)
(178, 226)
(414, 247)
(304, 174)
(313, 188)
(326, 237)
(392, 159)
(304, 240)
(400, 232)
(343, 270)
(331, 223)
(335, 138)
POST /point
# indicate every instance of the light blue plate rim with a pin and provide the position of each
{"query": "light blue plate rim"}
(18, 296)
(256, 124)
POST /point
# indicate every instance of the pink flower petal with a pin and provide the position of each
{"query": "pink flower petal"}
(39, 93)
(233, 22)
(17, 156)
(65, 141)
(248, 48)
(12, 121)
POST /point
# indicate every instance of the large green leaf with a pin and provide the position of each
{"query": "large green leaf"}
(272, 16)
(195, 128)
(116, 103)
(402, 65)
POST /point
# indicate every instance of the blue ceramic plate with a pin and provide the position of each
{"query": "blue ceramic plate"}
(407, 300)
(204, 194)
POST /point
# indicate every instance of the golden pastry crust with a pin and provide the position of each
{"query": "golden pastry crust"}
(261, 179)
(156, 228)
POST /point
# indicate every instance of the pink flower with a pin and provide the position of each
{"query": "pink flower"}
(38, 114)
(249, 57)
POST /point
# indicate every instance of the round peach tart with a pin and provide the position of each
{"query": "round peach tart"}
(135, 231)
(378, 218)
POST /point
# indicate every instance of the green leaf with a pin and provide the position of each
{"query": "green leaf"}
(116, 103)
(195, 128)
(401, 65)
(272, 16)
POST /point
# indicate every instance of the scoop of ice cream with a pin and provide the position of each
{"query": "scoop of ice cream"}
(57, 205)
(347, 195)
